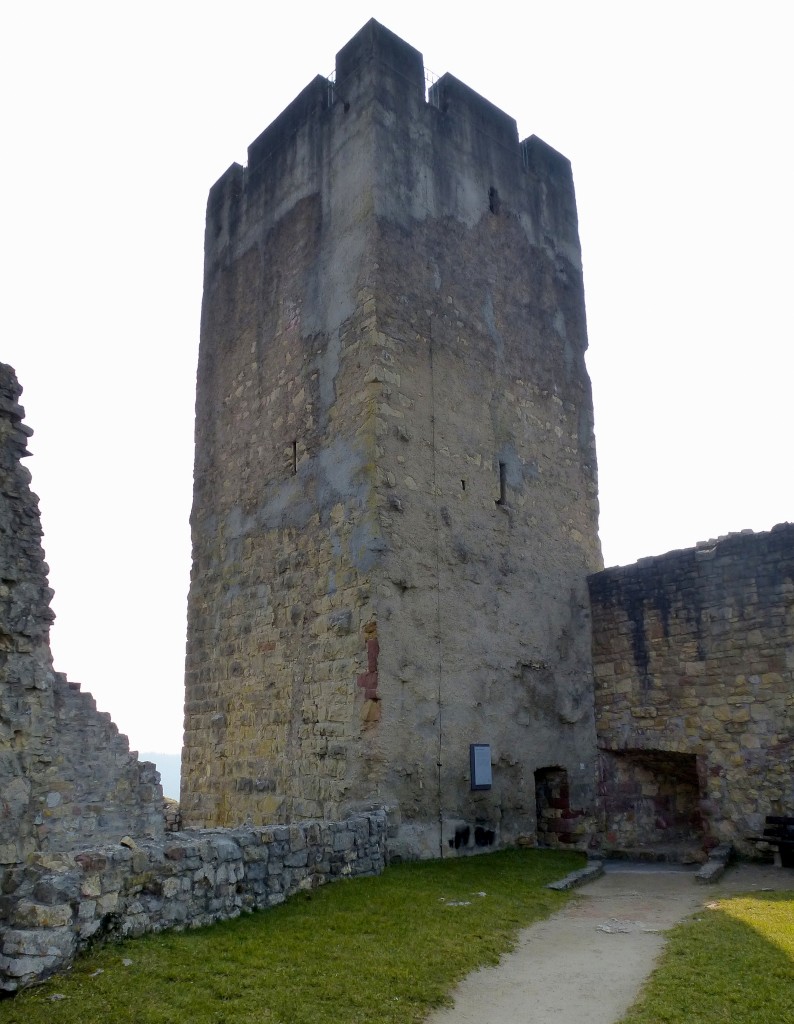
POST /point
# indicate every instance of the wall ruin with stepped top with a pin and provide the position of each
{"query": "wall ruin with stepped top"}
(83, 850)
(67, 777)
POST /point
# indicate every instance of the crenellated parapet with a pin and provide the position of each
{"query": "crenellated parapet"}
(443, 150)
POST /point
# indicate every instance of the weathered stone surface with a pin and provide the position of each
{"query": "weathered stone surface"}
(47, 940)
(395, 496)
(694, 691)
(573, 880)
(38, 915)
(160, 887)
(394, 519)
(67, 777)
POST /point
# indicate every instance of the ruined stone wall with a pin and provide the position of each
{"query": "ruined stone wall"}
(395, 495)
(63, 903)
(67, 778)
(694, 674)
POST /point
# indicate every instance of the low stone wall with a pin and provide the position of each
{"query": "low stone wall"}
(55, 905)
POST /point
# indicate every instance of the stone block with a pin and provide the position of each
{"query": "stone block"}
(108, 903)
(86, 910)
(297, 838)
(37, 915)
(88, 928)
(53, 889)
(343, 841)
(59, 942)
(28, 969)
(91, 886)
(171, 887)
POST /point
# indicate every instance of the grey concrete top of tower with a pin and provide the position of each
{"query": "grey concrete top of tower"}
(377, 64)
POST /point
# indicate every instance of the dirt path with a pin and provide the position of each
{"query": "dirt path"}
(588, 962)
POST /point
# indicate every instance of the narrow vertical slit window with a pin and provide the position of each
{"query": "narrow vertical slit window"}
(502, 499)
(294, 457)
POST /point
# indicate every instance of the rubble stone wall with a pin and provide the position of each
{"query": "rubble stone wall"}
(694, 658)
(60, 903)
(67, 777)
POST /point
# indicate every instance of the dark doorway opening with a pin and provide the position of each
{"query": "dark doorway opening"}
(652, 800)
(552, 807)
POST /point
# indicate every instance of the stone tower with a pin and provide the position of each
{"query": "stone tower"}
(395, 506)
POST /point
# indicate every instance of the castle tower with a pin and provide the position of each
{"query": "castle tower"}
(395, 505)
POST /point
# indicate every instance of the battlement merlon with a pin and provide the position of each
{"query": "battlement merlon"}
(309, 103)
(467, 141)
(455, 98)
(376, 53)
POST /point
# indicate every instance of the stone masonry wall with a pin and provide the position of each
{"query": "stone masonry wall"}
(57, 904)
(694, 674)
(67, 777)
(486, 485)
(395, 503)
(279, 601)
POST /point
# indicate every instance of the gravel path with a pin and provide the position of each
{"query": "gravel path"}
(588, 962)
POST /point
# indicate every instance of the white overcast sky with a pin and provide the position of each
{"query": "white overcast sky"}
(116, 120)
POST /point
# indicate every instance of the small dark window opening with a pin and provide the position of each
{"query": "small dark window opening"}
(463, 485)
(502, 499)
(294, 457)
(494, 202)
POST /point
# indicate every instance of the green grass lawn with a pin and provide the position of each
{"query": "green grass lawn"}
(380, 950)
(731, 964)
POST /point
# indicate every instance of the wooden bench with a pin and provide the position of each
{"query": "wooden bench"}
(779, 832)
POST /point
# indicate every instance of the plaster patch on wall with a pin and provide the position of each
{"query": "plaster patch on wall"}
(490, 323)
(366, 546)
(328, 367)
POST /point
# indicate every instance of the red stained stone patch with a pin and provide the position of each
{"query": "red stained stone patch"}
(369, 683)
(373, 650)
